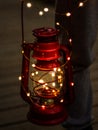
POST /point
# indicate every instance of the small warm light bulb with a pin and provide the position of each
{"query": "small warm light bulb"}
(33, 65)
(61, 84)
(46, 88)
(53, 91)
(41, 81)
(55, 69)
(59, 77)
(57, 23)
(20, 77)
(32, 74)
(68, 14)
(59, 69)
(29, 5)
(41, 13)
(53, 74)
(46, 9)
(72, 83)
(43, 107)
(68, 58)
(62, 100)
(53, 84)
(36, 72)
(70, 40)
(28, 94)
(81, 4)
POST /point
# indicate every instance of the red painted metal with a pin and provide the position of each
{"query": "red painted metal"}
(45, 32)
(46, 47)
(49, 51)
(49, 116)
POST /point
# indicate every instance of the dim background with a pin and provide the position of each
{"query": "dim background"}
(13, 110)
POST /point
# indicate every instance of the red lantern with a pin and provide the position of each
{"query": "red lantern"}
(47, 83)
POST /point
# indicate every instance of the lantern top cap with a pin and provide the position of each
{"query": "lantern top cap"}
(45, 32)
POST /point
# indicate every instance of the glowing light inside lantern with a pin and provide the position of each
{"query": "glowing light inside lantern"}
(41, 81)
(53, 74)
(53, 84)
(46, 88)
(36, 72)
(33, 65)
(55, 69)
(61, 84)
(47, 83)
(32, 74)
(59, 69)
(53, 91)
(59, 77)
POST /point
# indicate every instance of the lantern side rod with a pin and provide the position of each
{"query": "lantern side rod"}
(22, 20)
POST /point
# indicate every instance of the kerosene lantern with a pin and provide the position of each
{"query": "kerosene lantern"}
(46, 79)
(51, 87)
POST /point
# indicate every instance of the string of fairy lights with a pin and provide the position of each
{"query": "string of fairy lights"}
(68, 14)
(79, 4)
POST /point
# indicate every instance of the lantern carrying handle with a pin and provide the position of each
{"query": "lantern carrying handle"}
(22, 20)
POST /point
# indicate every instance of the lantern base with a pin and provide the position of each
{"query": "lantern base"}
(50, 116)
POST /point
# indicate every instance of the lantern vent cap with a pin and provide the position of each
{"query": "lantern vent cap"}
(45, 32)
